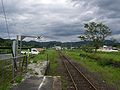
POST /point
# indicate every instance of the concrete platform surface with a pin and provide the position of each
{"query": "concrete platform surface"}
(40, 83)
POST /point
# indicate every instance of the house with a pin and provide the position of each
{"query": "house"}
(41, 50)
(58, 47)
(106, 48)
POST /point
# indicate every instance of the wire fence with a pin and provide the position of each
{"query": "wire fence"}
(4, 51)
(12, 67)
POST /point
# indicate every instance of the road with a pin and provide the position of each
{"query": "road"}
(5, 56)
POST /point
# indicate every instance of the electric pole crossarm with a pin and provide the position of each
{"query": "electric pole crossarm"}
(21, 37)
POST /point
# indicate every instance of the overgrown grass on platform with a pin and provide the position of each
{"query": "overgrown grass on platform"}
(108, 73)
(52, 57)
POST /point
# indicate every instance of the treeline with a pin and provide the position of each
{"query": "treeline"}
(52, 44)
(5, 42)
(8, 43)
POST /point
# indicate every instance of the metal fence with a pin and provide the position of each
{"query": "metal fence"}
(12, 67)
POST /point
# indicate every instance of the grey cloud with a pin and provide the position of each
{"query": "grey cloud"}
(57, 21)
(112, 5)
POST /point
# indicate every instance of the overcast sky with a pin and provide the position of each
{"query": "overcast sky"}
(58, 20)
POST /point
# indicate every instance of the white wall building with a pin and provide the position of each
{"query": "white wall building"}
(58, 47)
(107, 49)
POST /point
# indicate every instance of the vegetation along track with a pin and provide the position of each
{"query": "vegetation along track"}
(79, 80)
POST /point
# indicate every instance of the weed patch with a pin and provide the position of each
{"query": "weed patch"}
(106, 71)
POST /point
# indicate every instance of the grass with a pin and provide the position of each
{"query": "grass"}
(108, 55)
(52, 57)
(103, 58)
(39, 57)
(5, 86)
(5, 74)
(108, 73)
(18, 79)
(5, 51)
(111, 55)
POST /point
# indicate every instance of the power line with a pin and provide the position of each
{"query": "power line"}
(5, 17)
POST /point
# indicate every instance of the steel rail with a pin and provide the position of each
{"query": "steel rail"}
(70, 75)
(78, 71)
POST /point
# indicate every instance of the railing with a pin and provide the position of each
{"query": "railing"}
(12, 67)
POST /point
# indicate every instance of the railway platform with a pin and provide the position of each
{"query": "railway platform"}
(40, 83)
(36, 79)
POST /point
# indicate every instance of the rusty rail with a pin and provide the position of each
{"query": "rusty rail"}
(75, 67)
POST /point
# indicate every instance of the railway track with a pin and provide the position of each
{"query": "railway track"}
(79, 80)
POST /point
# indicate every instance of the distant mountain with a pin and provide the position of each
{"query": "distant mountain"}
(5, 42)
(8, 42)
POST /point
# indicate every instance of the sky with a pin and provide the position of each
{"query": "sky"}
(58, 20)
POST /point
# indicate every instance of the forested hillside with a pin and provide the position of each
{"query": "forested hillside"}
(8, 43)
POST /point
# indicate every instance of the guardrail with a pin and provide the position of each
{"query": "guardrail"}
(12, 67)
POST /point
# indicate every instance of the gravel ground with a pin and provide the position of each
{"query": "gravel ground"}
(38, 69)
(66, 81)
(35, 79)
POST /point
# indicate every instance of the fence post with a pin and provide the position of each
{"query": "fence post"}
(2, 70)
(26, 62)
(14, 64)
(13, 69)
(47, 57)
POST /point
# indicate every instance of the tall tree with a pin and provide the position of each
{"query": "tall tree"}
(96, 33)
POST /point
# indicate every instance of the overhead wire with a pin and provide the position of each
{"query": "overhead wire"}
(5, 18)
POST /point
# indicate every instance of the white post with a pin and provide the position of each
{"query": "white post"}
(28, 53)
(17, 43)
(20, 44)
(14, 56)
(14, 48)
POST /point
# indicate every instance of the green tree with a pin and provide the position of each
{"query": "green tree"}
(95, 33)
